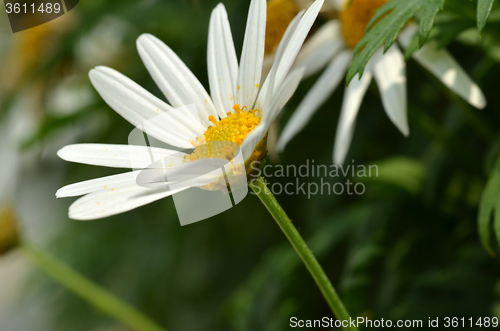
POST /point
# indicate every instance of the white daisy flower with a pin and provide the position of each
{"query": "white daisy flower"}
(332, 47)
(239, 110)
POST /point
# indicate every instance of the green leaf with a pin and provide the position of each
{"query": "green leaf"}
(483, 11)
(446, 32)
(486, 207)
(443, 33)
(490, 204)
(385, 26)
(496, 215)
(400, 171)
(427, 20)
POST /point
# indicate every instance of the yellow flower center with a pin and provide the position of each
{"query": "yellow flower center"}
(223, 139)
(355, 18)
(233, 128)
(220, 139)
(279, 14)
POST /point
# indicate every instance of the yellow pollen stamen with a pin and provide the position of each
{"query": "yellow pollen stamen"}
(212, 119)
(355, 18)
(237, 109)
(231, 129)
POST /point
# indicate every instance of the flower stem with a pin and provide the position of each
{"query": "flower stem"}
(265, 195)
(89, 291)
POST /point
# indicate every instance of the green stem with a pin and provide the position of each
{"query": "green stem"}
(307, 256)
(89, 291)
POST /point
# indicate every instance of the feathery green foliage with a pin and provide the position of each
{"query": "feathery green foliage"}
(386, 24)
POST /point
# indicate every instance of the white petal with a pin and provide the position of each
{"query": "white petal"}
(116, 156)
(287, 52)
(285, 92)
(115, 200)
(97, 184)
(320, 48)
(406, 35)
(197, 173)
(264, 100)
(252, 55)
(222, 62)
(138, 106)
(267, 64)
(353, 97)
(173, 77)
(281, 98)
(389, 70)
(317, 95)
(253, 138)
(442, 65)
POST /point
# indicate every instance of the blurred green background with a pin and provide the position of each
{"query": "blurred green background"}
(406, 249)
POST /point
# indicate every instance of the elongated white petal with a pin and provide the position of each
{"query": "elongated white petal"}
(97, 184)
(253, 139)
(353, 97)
(389, 70)
(116, 156)
(281, 98)
(287, 52)
(115, 200)
(196, 173)
(222, 62)
(264, 100)
(138, 106)
(285, 92)
(252, 55)
(173, 77)
(442, 65)
(317, 95)
(156, 175)
(320, 48)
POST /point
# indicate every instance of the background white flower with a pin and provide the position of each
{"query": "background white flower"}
(331, 48)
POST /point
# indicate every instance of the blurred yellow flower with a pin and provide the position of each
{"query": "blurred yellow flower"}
(9, 235)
